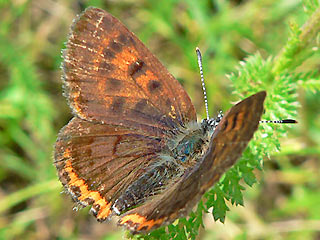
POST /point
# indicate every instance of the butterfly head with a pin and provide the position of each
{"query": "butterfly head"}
(209, 125)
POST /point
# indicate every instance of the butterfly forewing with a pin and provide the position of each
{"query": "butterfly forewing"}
(111, 77)
(226, 146)
(236, 129)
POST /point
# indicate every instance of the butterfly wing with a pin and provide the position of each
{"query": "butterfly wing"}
(125, 103)
(227, 143)
(96, 162)
(112, 78)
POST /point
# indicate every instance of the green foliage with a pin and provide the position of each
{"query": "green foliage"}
(276, 43)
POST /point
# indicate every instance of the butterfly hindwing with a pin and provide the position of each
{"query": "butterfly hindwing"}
(96, 162)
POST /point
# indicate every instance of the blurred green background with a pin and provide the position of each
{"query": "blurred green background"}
(286, 202)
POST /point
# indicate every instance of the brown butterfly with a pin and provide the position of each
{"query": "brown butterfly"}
(134, 147)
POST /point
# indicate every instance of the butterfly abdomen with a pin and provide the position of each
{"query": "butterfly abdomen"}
(150, 183)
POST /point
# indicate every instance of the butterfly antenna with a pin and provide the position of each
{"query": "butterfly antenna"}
(279, 121)
(202, 81)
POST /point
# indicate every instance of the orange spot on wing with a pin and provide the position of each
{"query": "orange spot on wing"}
(75, 181)
(229, 126)
(141, 221)
(144, 79)
(76, 103)
(124, 58)
(239, 121)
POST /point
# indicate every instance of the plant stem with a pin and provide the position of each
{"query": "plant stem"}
(296, 44)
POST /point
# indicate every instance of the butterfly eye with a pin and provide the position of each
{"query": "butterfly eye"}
(187, 149)
(183, 159)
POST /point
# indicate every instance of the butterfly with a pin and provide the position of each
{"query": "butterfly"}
(134, 148)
